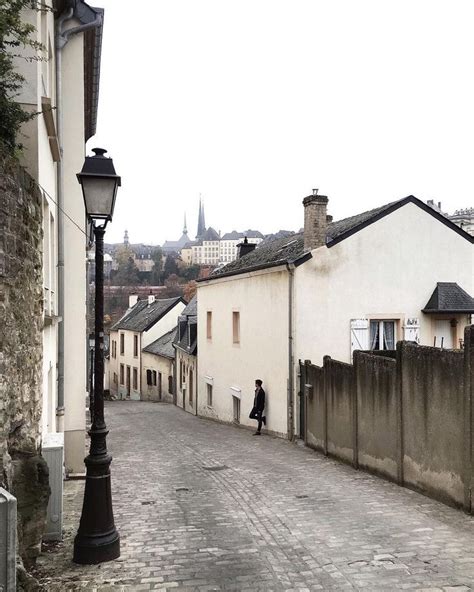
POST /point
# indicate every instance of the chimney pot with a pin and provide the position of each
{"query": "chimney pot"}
(315, 220)
(151, 299)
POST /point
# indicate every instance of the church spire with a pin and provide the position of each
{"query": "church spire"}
(201, 229)
(185, 230)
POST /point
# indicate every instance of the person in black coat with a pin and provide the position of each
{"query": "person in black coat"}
(258, 407)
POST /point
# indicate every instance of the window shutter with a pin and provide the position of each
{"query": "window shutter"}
(359, 334)
(411, 330)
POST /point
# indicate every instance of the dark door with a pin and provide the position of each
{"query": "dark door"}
(159, 385)
(128, 381)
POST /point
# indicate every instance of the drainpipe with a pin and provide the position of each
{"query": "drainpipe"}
(291, 277)
(62, 37)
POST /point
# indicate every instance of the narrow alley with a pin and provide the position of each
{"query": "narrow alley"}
(204, 506)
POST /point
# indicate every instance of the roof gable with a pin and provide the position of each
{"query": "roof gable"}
(142, 316)
(290, 249)
(163, 346)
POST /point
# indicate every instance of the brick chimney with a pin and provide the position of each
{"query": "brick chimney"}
(315, 220)
(151, 299)
(132, 300)
(244, 248)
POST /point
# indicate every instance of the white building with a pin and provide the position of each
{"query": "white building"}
(186, 360)
(63, 88)
(158, 373)
(465, 219)
(401, 271)
(143, 323)
(230, 240)
(206, 250)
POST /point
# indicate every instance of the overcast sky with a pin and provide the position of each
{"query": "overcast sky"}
(252, 103)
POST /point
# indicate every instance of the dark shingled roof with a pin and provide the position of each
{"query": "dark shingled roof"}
(191, 308)
(142, 316)
(163, 346)
(290, 249)
(448, 297)
(187, 328)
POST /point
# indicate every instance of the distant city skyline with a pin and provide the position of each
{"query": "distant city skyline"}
(252, 104)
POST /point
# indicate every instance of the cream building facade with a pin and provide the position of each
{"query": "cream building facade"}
(143, 323)
(158, 369)
(402, 271)
(63, 88)
(185, 345)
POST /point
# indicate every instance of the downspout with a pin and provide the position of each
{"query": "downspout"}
(62, 37)
(291, 277)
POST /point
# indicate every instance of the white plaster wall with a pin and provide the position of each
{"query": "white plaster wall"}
(262, 300)
(387, 270)
(160, 365)
(113, 364)
(128, 359)
(182, 390)
(165, 324)
(75, 334)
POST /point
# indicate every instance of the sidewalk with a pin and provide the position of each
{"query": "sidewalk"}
(203, 506)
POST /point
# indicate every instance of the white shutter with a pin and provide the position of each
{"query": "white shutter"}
(359, 334)
(411, 330)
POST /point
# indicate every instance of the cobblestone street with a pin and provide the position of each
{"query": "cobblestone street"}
(203, 506)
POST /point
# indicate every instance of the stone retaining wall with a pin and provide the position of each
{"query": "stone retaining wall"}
(23, 471)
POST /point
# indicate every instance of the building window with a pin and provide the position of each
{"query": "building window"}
(153, 377)
(236, 327)
(114, 348)
(209, 395)
(135, 346)
(135, 379)
(236, 409)
(382, 335)
(209, 324)
(148, 377)
(191, 387)
(122, 374)
(181, 374)
(122, 343)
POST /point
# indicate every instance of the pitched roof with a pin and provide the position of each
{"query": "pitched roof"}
(191, 308)
(448, 297)
(234, 235)
(163, 346)
(290, 249)
(186, 336)
(142, 316)
(210, 235)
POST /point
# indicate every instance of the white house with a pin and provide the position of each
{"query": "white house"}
(185, 345)
(143, 323)
(401, 271)
(62, 85)
(158, 374)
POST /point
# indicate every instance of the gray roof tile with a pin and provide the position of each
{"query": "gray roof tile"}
(143, 315)
(163, 346)
(450, 298)
(291, 248)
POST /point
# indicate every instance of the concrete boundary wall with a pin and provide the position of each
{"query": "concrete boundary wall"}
(406, 417)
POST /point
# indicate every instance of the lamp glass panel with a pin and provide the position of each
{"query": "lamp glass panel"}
(99, 195)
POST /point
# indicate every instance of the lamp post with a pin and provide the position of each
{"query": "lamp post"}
(97, 539)
(91, 377)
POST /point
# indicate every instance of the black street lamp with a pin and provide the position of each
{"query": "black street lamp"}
(97, 539)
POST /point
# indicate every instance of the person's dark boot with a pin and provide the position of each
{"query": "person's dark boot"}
(257, 433)
(264, 419)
